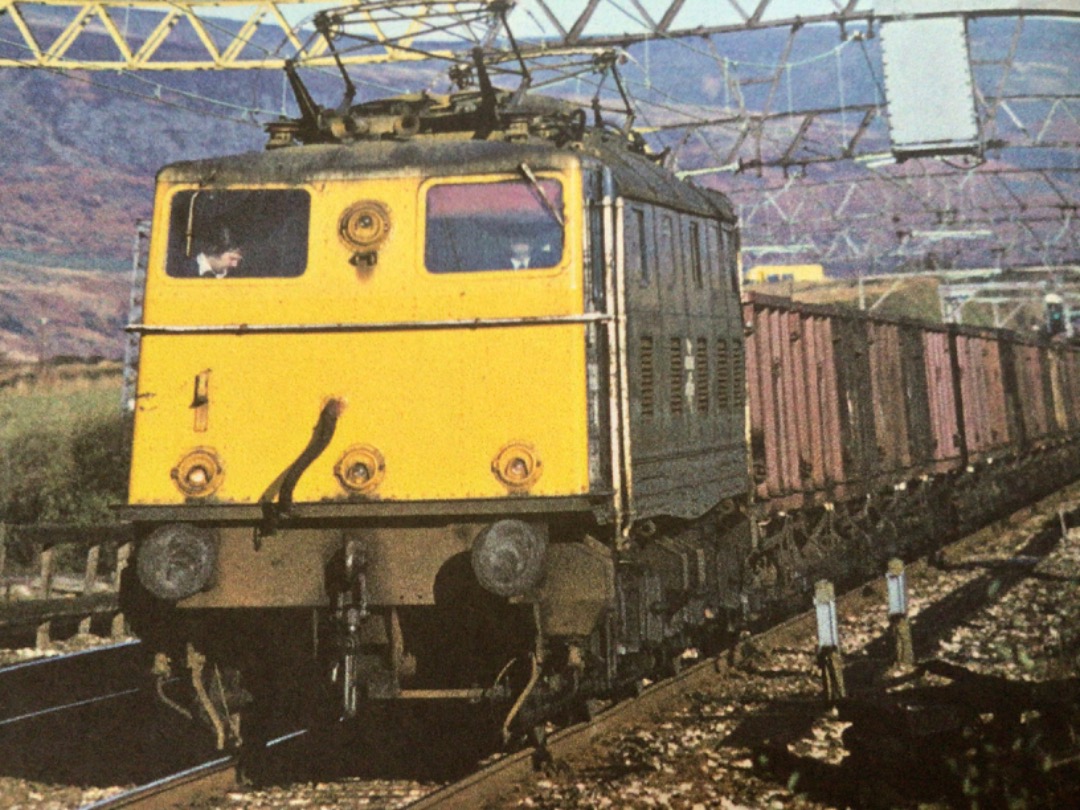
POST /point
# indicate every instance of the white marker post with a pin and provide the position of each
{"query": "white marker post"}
(899, 625)
(829, 659)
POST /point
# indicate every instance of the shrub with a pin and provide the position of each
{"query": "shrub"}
(63, 454)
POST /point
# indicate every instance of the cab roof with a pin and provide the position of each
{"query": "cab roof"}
(637, 175)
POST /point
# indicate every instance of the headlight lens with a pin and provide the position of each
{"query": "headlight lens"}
(199, 473)
(177, 560)
(508, 557)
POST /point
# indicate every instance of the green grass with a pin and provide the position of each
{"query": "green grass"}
(63, 450)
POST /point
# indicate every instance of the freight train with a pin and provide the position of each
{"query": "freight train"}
(457, 399)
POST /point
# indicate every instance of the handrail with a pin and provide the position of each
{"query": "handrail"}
(385, 326)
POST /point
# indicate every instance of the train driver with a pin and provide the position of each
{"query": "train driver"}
(219, 255)
(520, 253)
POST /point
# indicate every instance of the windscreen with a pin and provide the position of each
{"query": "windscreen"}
(511, 225)
(238, 234)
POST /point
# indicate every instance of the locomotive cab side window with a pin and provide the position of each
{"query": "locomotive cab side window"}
(637, 246)
(259, 233)
(695, 255)
(714, 255)
(509, 225)
(666, 250)
(731, 258)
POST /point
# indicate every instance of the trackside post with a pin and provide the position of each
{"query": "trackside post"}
(829, 659)
(899, 624)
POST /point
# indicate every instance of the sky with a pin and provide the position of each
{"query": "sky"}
(610, 17)
(528, 21)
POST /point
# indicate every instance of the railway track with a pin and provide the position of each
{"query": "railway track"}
(176, 790)
(213, 777)
(978, 570)
(83, 719)
(44, 685)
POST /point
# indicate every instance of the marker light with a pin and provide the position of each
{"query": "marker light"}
(517, 466)
(199, 473)
(364, 225)
(361, 469)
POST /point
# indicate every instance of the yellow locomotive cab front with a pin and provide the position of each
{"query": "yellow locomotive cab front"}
(455, 374)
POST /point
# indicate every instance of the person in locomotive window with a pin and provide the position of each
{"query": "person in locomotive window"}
(219, 255)
(520, 254)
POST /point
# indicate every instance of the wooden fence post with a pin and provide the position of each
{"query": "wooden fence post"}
(48, 556)
(44, 631)
(93, 557)
(123, 554)
(899, 624)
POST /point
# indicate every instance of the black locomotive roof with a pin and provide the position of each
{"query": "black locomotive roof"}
(636, 175)
(640, 177)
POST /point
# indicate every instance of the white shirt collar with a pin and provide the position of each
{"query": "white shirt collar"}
(206, 270)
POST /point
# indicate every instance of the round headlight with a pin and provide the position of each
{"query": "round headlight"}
(517, 466)
(508, 557)
(361, 469)
(364, 225)
(176, 561)
(199, 473)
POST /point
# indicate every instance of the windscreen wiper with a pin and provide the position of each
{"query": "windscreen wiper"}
(525, 170)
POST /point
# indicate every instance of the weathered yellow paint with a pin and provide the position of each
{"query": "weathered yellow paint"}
(437, 404)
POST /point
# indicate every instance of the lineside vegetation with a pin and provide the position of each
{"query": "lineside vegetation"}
(63, 443)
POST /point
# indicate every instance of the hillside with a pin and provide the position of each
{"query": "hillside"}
(78, 154)
(76, 173)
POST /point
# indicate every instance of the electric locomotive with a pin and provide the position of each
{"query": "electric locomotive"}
(439, 398)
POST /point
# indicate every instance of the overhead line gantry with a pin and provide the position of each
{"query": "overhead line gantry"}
(53, 40)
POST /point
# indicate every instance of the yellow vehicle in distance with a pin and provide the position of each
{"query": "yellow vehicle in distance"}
(774, 273)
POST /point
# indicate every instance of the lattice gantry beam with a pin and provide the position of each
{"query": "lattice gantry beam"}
(254, 34)
(169, 35)
(99, 35)
(926, 216)
(595, 21)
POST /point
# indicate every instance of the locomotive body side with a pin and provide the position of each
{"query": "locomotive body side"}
(685, 358)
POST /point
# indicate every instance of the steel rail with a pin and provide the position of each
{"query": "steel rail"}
(178, 790)
(185, 788)
(52, 661)
(57, 683)
(78, 704)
